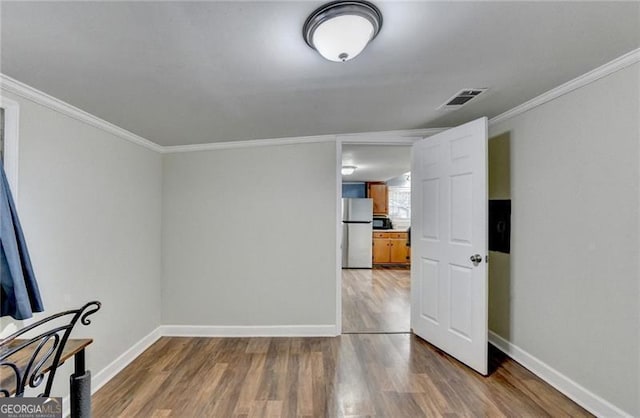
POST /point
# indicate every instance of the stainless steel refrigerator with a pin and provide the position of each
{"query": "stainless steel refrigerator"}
(357, 216)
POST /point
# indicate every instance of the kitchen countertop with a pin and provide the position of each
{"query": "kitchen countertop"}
(390, 230)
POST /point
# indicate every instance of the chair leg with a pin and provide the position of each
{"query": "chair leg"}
(80, 389)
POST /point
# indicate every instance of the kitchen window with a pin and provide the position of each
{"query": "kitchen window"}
(399, 203)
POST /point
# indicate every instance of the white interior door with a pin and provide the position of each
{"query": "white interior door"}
(449, 242)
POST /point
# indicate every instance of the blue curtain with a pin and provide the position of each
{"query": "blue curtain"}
(19, 296)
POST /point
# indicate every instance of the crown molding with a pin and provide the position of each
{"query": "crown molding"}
(27, 92)
(398, 137)
(580, 81)
(210, 146)
(378, 141)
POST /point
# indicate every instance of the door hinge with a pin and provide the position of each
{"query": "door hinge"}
(486, 258)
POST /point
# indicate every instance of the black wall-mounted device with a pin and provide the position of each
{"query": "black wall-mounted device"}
(500, 226)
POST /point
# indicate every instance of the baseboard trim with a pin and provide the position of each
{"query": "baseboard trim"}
(588, 400)
(249, 331)
(580, 395)
(116, 366)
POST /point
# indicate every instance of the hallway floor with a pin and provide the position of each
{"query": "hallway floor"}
(376, 300)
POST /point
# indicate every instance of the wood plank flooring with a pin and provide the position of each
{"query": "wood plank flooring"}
(376, 300)
(357, 375)
(369, 373)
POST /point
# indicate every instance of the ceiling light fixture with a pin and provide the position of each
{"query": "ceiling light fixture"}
(348, 170)
(340, 30)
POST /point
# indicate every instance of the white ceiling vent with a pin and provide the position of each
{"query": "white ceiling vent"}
(461, 98)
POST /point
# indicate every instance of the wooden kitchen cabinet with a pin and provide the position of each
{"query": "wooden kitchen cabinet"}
(378, 192)
(398, 250)
(391, 248)
(381, 253)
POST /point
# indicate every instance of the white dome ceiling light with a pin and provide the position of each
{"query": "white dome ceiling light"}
(348, 170)
(340, 30)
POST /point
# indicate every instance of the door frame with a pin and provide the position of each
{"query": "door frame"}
(391, 138)
(11, 128)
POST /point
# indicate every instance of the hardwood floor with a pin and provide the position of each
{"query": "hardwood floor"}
(368, 373)
(375, 300)
(375, 375)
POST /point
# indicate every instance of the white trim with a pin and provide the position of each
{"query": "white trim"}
(11, 143)
(249, 143)
(16, 87)
(638, 258)
(338, 236)
(582, 396)
(398, 137)
(248, 331)
(581, 81)
(588, 400)
(401, 137)
(398, 141)
(66, 406)
(405, 137)
(116, 366)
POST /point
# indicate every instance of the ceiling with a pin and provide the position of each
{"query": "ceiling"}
(198, 72)
(376, 162)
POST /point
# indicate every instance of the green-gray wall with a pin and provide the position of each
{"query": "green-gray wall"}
(89, 204)
(569, 292)
(249, 237)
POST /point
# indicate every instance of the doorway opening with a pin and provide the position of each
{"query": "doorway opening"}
(449, 201)
(376, 253)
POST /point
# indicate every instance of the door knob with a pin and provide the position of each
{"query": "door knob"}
(476, 259)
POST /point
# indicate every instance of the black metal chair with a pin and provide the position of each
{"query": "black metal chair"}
(29, 359)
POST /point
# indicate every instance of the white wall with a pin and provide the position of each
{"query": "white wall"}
(249, 236)
(574, 275)
(89, 204)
